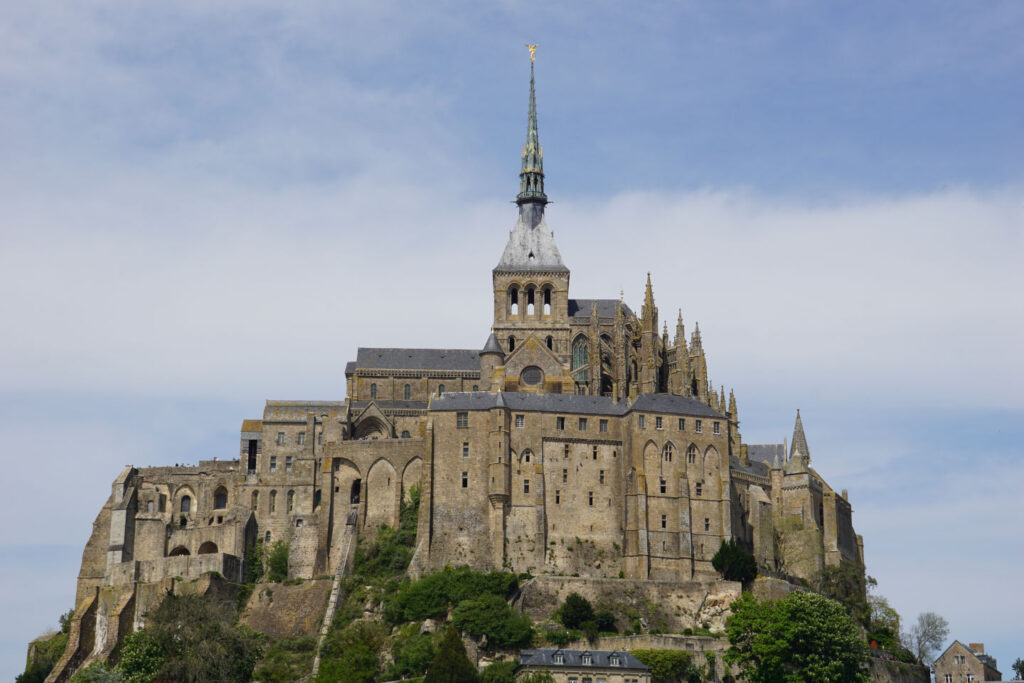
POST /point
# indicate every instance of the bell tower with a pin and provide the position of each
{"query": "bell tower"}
(531, 284)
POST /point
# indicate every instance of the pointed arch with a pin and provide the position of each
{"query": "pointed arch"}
(381, 495)
(412, 475)
(668, 452)
(711, 468)
(691, 454)
(581, 358)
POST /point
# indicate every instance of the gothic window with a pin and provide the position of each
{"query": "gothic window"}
(373, 391)
(511, 343)
(255, 499)
(407, 392)
(550, 341)
(668, 452)
(513, 300)
(291, 501)
(691, 454)
(581, 358)
(220, 498)
(186, 504)
(530, 301)
(273, 502)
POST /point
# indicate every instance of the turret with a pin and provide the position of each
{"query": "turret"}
(491, 357)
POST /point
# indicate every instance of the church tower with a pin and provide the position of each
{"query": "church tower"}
(531, 284)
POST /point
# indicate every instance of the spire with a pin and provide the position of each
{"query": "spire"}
(649, 314)
(664, 334)
(799, 440)
(531, 177)
(721, 398)
(732, 406)
(680, 339)
(695, 339)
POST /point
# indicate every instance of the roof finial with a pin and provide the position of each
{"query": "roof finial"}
(531, 175)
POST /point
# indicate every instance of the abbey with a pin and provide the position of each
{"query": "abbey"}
(582, 439)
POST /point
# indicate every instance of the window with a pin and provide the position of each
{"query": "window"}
(319, 438)
(407, 392)
(640, 421)
(586, 660)
(691, 454)
(550, 340)
(558, 497)
(613, 660)
(273, 501)
(594, 453)
(406, 434)
(663, 485)
(266, 538)
(559, 658)
(149, 506)
(476, 387)
(526, 485)
(707, 524)
(526, 456)
(583, 424)
(462, 420)
(520, 421)
(565, 476)
(440, 390)
(565, 451)
(298, 523)
(511, 343)
(580, 359)
(291, 501)
(287, 463)
(465, 480)
(273, 463)
(682, 425)
(602, 476)
(700, 489)
(602, 426)
(667, 452)
(664, 521)
(373, 391)
(657, 422)
(699, 428)
(220, 498)
(465, 449)
(280, 438)
(949, 678)
(716, 428)
(559, 423)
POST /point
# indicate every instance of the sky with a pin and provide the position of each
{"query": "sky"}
(208, 205)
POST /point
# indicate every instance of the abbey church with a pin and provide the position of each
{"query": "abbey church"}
(582, 439)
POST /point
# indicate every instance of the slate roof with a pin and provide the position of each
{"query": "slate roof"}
(757, 468)
(531, 244)
(492, 346)
(415, 359)
(580, 308)
(574, 659)
(571, 403)
(766, 452)
(670, 403)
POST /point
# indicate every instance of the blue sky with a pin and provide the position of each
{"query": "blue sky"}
(207, 207)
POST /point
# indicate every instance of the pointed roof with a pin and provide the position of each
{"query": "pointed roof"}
(799, 440)
(531, 175)
(492, 346)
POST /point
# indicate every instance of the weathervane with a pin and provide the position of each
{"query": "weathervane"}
(533, 50)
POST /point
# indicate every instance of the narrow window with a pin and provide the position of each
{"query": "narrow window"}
(558, 497)
(716, 428)
(280, 438)
(657, 422)
(511, 343)
(640, 421)
(565, 451)
(462, 420)
(186, 504)
(287, 463)
(529, 302)
(602, 476)
(149, 506)
(513, 298)
(476, 387)
(302, 438)
(252, 456)
(547, 308)
(583, 424)
(407, 392)
(526, 485)
(550, 341)
(682, 425)
(220, 498)
(602, 426)
(291, 501)
(560, 423)
(663, 486)
(298, 523)
(664, 521)
(465, 449)
(465, 480)
(440, 390)
(699, 428)
(320, 438)
(691, 454)
(590, 498)
(266, 537)
(707, 524)
(163, 503)
(667, 452)
(565, 476)
(594, 453)
(273, 463)
(520, 421)
(406, 434)
(373, 391)
(527, 456)
(700, 488)
(317, 498)
(273, 501)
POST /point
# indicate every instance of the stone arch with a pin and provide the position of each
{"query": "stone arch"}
(710, 469)
(526, 456)
(185, 501)
(546, 299)
(179, 551)
(580, 358)
(372, 428)
(530, 292)
(652, 466)
(691, 454)
(381, 490)
(220, 498)
(207, 548)
(668, 452)
(513, 302)
(412, 475)
(346, 476)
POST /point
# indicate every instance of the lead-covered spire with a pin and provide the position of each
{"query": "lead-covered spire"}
(531, 176)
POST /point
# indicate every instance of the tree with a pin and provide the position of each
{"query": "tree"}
(490, 616)
(451, 665)
(927, 636)
(734, 563)
(574, 611)
(277, 562)
(669, 664)
(97, 672)
(1018, 669)
(498, 672)
(802, 637)
(848, 585)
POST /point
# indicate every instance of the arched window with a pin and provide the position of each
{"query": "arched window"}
(691, 454)
(353, 496)
(551, 341)
(405, 434)
(255, 500)
(667, 452)
(547, 302)
(511, 343)
(530, 301)
(273, 502)
(513, 300)
(407, 392)
(207, 548)
(440, 390)
(291, 501)
(266, 537)
(186, 504)
(373, 391)
(220, 498)
(179, 551)
(581, 358)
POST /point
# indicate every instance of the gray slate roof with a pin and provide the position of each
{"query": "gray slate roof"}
(757, 468)
(766, 452)
(571, 403)
(531, 244)
(574, 659)
(492, 346)
(580, 308)
(416, 359)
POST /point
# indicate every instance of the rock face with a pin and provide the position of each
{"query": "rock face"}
(281, 610)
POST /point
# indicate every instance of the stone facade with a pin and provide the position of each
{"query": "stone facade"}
(579, 441)
(965, 663)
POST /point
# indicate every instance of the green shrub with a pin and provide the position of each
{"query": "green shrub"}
(499, 672)
(489, 615)
(288, 659)
(411, 653)
(430, 597)
(450, 664)
(277, 562)
(669, 664)
(734, 563)
(48, 653)
(574, 611)
(605, 621)
(97, 672)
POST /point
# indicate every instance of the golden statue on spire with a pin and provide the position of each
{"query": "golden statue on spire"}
(533, 50)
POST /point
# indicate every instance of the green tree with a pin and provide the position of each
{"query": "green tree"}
(97, 672)
(489, 615)
(574, 611)
(47, 653)
(734, 563)
(350, 655)
(141, 657)
(450, 663)
(803, 637)
(848, 585)
(927, 636)
(605, 621)
(277, 562)
(1018, 669)
(668, 664)
(499, 672)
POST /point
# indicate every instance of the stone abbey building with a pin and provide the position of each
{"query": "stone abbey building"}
(581, 439)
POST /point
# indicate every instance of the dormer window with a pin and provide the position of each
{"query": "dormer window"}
(613, 660)
(587, 659)
(559, 658)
